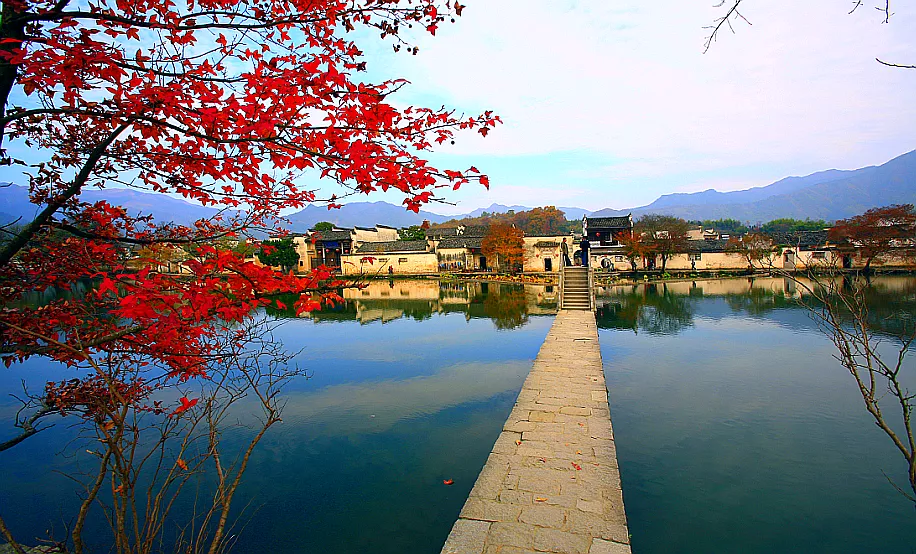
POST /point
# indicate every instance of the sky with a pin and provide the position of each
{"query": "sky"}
(611, 104)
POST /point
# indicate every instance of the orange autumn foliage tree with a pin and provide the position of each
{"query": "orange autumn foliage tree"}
(757, 248)
(506, 244)
(229, 103)
(890, 230)
(534, 222)
(540, 221)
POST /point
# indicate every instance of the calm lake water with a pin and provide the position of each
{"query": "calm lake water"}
(409, 384)
(736, 430)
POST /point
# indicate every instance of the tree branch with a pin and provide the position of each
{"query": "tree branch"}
(882, 62)
(22, 238)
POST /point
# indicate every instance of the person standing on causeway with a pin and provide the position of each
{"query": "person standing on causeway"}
(584, 245)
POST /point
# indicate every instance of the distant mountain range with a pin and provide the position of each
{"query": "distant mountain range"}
(14, 204)
(828, 195)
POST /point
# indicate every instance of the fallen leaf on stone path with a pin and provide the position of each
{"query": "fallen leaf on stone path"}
(581, 425)
(577, 466)
(448, 481)
(579, 452)
(540, 499)
(518, 443)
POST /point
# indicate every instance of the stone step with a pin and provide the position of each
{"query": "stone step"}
(551, 483)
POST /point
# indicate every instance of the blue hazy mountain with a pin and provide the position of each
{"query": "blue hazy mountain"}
(713, 197)
(571, 213)
(827, 195)
(14, 204)
(363, 214)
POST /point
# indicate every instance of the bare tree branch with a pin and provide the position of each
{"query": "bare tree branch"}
(882, 62)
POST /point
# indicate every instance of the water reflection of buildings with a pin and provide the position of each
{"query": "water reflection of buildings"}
(509, 305)
(665, 308)
(747, 285)
(711, 287)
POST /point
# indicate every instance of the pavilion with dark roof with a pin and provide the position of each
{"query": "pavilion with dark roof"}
(606, 231)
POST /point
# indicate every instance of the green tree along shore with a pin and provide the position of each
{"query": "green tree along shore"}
(280, 253)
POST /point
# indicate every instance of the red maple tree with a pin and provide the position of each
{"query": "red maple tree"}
(229, 103)
(224, 102)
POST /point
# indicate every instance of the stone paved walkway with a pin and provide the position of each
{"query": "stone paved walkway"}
(551, 483)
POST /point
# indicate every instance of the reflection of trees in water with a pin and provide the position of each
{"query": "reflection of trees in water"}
(651, 308)
(507, 306)
(453, 290)
(759, 301)
(344, 311)
(890, 310)
(655, 309)
(34, 299)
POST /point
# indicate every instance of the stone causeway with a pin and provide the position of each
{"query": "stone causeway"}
(551, 482)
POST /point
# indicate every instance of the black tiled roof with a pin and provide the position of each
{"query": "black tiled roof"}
(800, 238)
(608, 222)
(392, 246)
(475, 231)
(469, 231)
(460, 242)
(333, 235)
(707, 245)
(804, 239)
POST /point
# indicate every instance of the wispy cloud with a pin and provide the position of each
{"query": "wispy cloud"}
(611, 104)
(797, 92)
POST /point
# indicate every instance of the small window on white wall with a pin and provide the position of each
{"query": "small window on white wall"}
(402, 260)
(694, 257)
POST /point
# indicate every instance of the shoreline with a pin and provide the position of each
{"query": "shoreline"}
(606, 278)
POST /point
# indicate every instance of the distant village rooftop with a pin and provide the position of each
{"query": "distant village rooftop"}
(624, 221)
(461, 242)
(392, 246)
(458, 230)
(335, 234)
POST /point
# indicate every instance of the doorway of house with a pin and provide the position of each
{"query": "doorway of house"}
(548, 264)
(483, 263)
